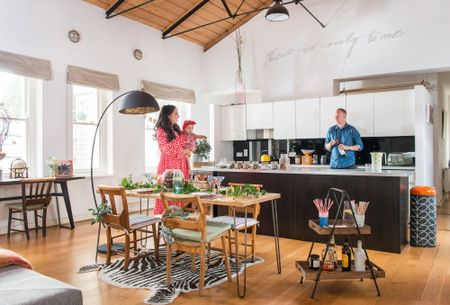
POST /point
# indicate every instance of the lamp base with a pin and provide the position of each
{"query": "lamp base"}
(116, 247)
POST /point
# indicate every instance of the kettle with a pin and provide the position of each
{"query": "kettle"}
(265, 157)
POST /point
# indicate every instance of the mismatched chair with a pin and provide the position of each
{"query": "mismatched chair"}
(120, 219)
(252, 222)
(36, 196)
(192, 235)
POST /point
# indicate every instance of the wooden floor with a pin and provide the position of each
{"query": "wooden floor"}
(417, 276)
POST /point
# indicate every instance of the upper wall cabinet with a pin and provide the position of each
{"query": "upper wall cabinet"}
(328, 106)
(360, 108)
(307, 113)
(284, 120)
(233, 126)
(260, 116)
(394, 113)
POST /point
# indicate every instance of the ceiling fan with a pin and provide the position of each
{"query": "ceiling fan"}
(277, 12)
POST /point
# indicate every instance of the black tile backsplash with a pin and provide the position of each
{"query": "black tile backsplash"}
(383, 144)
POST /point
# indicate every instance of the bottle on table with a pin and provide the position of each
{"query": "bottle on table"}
(346, 257)
(360, 258)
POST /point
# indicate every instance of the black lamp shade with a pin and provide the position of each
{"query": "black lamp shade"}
(138, 102)
(277, 13)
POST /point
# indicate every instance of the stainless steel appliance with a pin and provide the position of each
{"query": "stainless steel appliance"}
(400, 159)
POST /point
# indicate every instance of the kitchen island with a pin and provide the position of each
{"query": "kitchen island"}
(387, 192)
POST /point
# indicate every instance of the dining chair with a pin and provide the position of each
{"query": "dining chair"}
(36, 196)
(129, 224)
(252, 222)
(192, 234)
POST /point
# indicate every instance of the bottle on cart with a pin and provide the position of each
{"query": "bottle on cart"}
(346, 257)
(360, 258)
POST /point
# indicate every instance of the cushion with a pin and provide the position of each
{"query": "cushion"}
(138, 221)
(18, 206)
(212, 232)
(20, 286)
(240, 221)
(8, 257)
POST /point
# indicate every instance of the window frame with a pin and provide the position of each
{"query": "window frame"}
(104, 137)
(33, 126)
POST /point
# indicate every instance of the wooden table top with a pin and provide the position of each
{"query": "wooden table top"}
(219, 200)
(9, 181)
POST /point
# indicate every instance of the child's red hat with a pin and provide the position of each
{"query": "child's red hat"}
(187, 123)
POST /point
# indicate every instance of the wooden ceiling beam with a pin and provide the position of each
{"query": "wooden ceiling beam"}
(184, 17)
(237, 25)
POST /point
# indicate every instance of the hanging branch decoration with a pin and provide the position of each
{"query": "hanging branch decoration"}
(5, 120)
(239, 94)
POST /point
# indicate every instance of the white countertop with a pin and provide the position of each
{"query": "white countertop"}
(316, 170)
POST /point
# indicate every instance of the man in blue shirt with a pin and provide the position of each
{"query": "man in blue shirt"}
(343, 140)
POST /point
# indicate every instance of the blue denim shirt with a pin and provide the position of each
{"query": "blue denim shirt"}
(348, 136)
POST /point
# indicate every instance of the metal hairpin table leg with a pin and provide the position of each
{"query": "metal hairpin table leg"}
(276, 234)
(236, 232)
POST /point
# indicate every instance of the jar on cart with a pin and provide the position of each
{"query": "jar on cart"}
(284, 161)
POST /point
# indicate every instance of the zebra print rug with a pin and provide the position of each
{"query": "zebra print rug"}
(147, 273)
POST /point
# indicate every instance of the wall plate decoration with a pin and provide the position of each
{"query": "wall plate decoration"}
(74, 36)
(138, 54)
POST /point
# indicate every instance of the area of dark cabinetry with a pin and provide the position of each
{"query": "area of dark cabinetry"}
(387, 213)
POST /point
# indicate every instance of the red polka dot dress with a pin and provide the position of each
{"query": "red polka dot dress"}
(172, 157)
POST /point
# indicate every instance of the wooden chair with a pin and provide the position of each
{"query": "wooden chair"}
(36, 196)
(252, 222)
(120, 219)
(192, 235)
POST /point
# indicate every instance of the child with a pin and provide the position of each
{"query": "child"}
(191, 137)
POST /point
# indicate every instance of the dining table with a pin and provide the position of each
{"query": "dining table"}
(240, 203)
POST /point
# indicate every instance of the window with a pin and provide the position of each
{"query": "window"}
(17, 95)
(151, 145)
(87, 106)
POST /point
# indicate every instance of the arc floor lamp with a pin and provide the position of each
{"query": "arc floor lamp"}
(134, 102)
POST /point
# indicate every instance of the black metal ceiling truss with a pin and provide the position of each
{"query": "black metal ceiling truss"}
(167, 33)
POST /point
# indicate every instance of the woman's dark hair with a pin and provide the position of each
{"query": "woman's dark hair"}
(165, 124)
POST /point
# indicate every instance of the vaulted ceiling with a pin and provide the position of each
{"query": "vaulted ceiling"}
(175, 17)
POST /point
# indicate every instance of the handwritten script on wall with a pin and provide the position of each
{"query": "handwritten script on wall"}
(349, 42)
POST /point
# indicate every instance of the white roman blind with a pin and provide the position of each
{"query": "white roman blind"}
(170, 93)
(91, 78)
(25, 65)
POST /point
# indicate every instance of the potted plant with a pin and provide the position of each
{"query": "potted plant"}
(53, 164)
(202, 151)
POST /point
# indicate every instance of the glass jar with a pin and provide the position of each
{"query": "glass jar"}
(284, 161)
(173, 179)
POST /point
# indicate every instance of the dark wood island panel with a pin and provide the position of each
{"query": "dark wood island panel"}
(387, 213)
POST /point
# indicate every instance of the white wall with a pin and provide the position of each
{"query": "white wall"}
(39, 29)
(299, 59)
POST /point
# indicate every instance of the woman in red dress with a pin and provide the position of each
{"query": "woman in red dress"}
(171, 144)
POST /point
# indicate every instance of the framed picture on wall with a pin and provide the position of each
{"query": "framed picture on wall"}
(65, 168)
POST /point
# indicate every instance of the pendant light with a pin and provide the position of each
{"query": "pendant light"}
(277, 13)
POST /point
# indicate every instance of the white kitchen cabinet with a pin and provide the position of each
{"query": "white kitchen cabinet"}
(328, 106)
(260, 116)
(284, 120)
(360, 113)
(394, 113)
(233, 123)
(307, 118)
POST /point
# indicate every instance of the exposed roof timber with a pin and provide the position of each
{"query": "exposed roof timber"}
(183, 18)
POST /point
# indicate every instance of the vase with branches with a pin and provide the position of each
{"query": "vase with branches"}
(239, 93)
